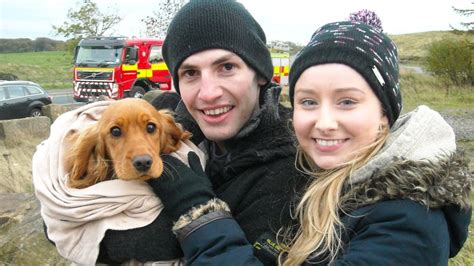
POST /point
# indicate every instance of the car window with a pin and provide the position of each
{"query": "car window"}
(32, 90)
(2, 94)
(128, 53)
(16, 91)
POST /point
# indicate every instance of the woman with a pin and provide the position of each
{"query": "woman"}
(385, 189)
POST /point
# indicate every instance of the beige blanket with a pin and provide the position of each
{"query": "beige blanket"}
(78, 218)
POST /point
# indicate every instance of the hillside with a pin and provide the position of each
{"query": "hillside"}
(412, 47)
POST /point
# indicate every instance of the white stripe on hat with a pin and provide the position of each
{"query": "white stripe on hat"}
(378, 75)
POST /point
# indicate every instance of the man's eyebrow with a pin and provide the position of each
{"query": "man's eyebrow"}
(186, 66)
(218, 61)
(223, 59)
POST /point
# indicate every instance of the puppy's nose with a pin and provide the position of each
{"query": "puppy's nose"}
(142, 162)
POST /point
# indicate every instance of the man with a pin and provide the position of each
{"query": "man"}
(221, 67)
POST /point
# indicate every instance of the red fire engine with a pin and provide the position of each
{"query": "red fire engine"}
(281, 67)
(118, 67)
(281, 61)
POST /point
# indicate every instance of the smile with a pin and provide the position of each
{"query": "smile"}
(218, 111)
(328, 143)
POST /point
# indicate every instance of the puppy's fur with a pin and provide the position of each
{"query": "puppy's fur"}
(125, 143)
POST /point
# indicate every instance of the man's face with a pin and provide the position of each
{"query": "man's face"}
(220, 91)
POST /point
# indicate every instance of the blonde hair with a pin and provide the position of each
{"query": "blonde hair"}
(320, 227)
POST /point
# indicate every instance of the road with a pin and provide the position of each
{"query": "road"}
(62, 96)
(415, 69)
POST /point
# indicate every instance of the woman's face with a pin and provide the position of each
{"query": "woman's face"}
(335, 114)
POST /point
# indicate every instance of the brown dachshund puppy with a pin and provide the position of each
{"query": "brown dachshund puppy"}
(125, 143)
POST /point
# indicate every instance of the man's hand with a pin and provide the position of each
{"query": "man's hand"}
(181, 187)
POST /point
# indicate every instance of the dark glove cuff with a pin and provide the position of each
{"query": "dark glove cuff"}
(200, 215)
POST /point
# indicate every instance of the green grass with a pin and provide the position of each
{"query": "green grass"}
(52, 70)
(467, 144)
(418, 89)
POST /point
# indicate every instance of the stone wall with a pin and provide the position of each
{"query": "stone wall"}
(22, 239)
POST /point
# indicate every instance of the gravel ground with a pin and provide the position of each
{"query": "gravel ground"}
(462, 121)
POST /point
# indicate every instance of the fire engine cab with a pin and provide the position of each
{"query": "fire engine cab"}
(117, 67)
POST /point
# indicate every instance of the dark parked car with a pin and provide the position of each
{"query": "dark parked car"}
(20, 99)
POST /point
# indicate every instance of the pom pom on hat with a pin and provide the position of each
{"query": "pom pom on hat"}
(368, 17)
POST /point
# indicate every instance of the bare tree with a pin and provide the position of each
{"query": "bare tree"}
(88, 20)
(465, 13)
(157, 24)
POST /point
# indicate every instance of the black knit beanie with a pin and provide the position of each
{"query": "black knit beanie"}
(211, 24)
(362, 47)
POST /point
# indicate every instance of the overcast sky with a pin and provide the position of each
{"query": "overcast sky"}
(287, 20)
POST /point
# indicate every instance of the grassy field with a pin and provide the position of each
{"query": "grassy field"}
(425, 89)
(52, 70)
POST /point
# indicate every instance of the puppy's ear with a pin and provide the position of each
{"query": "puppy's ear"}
(172, 133)
(88, 160)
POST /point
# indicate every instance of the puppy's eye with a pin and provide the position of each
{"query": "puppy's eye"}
(150, 128)
(115, 131)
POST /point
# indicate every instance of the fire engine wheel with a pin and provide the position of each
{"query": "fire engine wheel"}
(137, 92)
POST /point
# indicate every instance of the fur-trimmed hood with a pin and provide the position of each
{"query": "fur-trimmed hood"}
(432, 184)
(419, 162)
